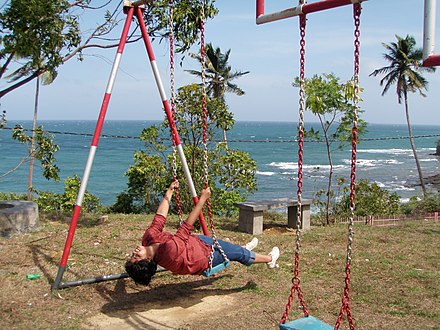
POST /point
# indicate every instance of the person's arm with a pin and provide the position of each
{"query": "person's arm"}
(194, 215)
(164, 205)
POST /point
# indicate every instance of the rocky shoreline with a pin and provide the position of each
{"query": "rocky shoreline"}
(433, 180)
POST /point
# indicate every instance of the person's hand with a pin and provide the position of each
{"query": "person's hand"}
(174, 185)
(206, 193)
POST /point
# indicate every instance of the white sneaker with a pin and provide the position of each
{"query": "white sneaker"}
(252, 244)
(275, 254)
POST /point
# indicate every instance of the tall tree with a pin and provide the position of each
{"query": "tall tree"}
(39, 36)
(332, 103)
(231, 172)
(219, 76)
(405, 70)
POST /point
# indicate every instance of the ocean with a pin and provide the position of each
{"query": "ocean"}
(384, 156)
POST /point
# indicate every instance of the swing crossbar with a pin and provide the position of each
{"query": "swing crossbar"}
(306, 323)
(307, 8)
(99, 279)
(216, 269)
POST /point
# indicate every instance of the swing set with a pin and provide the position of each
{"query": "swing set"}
(308, 322)
(135, 9)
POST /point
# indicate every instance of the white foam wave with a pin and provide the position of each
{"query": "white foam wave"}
(265, 173)
(294, 166)
(373, 162)
(403, 188)
(284, 165)
(429, 160)
(393, 151)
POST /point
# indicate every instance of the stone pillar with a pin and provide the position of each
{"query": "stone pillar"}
(292, 217)
(251, 221)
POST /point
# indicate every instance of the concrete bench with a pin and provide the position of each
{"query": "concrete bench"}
(250, 218)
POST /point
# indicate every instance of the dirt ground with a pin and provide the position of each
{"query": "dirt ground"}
(394, 284)
(169, 302)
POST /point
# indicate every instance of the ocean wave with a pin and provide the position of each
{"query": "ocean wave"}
(294, 166)
(429, 160)
(403, 188)
(374, 162)
(265, 173)
(393, 151)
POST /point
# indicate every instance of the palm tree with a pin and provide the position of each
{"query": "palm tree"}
(405, 70)
(219, 77)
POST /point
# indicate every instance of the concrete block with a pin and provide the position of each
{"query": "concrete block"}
(18, 217)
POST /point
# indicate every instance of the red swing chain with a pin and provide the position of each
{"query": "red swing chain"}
(205, 137)
(296, 279)
(173, 105)
(345, 305)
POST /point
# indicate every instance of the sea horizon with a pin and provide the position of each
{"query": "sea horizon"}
(384, 156)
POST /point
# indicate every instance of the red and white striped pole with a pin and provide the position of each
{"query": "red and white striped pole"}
(92, 152)
(167, 109)
(299, 10)
(429, 26)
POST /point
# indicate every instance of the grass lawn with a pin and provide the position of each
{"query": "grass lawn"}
(395, 279)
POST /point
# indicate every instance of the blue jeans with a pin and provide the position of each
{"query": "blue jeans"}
(234, 252)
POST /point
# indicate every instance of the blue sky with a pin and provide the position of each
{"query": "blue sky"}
(270, 52)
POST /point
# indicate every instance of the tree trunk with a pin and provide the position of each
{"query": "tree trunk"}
(413, 146)
(32, 153)
(225, 139)
(330, 178)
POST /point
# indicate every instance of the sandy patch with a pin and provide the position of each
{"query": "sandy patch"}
(151, 316)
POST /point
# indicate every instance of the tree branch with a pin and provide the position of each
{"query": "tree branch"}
(5, 66)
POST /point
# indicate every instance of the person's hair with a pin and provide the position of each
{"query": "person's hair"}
(142, 271)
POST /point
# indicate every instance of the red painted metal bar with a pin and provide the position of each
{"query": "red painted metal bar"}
(432, 60)
(262, 18)
(93, 147)
(326, 4)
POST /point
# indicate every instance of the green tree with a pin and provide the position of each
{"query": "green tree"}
(219, 76)
(34, 35)
(231, 173)
(43, 150)
(371, 200)
(332, 103)
(405, 70)
(63, 203)
(186, 20)
(37, 37)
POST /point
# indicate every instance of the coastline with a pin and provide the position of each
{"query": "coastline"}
(434, 180)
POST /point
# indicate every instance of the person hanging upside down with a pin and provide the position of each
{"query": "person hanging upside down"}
(185, 253)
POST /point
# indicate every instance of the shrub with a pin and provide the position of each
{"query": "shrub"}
(64, 203)
(415, 206)
(370, 200)
(12, 196)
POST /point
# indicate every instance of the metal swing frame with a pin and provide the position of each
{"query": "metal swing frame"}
(429, 27)
(131, 9)
(309, 322)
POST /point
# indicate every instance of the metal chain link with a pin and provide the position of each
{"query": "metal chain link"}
(215, 242)
(173, 106)
(345, 306)
(296, 279)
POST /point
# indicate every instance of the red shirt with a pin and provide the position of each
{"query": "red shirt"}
(181, 253)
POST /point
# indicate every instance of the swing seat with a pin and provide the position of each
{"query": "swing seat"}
(306, 323)
(216, 269)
